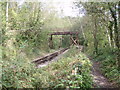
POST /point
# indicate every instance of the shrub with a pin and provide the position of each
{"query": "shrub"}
(20, 73)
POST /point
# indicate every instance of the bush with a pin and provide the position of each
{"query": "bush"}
(109, 67)
(20, 73)
(68, 78)
(17, 74)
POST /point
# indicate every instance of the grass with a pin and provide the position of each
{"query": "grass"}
(71, 71)
(108, 66)
(61, 75)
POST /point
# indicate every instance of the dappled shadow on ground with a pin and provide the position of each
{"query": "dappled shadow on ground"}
(99, 80)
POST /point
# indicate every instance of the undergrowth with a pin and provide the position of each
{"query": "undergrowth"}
(72, 71)
(108, 58)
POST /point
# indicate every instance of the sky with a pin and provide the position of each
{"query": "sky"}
(66, 6)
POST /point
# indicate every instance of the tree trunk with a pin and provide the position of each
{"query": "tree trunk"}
(109, 39)
(83, 32)
(95, 37)
(119, 35)
(114, 11)
(111, 33)
(7, 5)
(114, 16)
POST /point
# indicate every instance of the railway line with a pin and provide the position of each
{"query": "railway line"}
(48, 57)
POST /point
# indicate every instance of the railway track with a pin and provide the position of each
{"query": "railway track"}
(48, 57)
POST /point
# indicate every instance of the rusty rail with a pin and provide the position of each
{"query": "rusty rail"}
(49, 57)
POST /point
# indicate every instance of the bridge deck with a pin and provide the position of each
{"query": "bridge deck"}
(64, 33)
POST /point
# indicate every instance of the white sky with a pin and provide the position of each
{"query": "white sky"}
(64, 5)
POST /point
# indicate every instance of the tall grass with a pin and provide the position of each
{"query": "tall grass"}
(20, 73)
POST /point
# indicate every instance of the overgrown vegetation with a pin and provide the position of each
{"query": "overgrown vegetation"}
(100, 28)
(108, 65)
(72, 71)
(25, 30)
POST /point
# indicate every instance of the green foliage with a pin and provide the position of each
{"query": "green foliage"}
(108, 64)
(101, 43)
(66, 41)
(25, 36)
(69, 79)
(19, 73)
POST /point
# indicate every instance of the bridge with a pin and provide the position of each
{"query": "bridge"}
(73, 37)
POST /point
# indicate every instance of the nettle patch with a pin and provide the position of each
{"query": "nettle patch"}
(75, 75)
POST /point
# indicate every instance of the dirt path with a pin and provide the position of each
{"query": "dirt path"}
(99, 80)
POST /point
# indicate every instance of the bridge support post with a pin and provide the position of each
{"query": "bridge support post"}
(50, 42)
